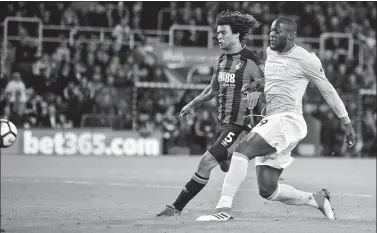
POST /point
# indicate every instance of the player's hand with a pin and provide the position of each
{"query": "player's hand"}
(186, 110)
(249, 87)
(252, 99)
(350, 135)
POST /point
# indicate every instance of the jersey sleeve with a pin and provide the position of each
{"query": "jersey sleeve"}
(254, 71)
(315, 73)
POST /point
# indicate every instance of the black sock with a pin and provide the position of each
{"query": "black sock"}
(191, 189)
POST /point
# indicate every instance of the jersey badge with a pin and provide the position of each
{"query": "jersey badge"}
(239, 64)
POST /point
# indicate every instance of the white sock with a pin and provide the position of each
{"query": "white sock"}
(291, 196)
(234, 177)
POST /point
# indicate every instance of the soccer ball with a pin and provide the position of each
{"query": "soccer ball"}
(8, 133)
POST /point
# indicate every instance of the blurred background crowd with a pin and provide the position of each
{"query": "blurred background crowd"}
(81, 79)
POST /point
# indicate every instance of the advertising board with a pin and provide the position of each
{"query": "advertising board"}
(84, 142)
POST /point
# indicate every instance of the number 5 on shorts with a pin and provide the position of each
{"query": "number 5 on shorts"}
(228, 139)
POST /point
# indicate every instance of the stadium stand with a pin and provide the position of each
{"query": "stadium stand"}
(92, 54)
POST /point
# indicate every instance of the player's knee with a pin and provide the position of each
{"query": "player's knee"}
(266, 191)
(206, 164)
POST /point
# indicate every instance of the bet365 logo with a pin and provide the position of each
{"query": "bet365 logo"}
(226, 77)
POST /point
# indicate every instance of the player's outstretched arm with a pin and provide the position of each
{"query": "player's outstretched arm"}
(211, 91)
(315, 73)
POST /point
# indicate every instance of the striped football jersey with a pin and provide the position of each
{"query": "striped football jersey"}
(231, 73)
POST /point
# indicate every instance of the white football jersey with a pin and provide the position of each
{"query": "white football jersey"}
(287, 76)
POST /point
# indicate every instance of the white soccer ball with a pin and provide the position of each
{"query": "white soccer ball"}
(8, 133)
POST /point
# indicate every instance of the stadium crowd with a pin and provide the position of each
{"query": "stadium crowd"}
(46, 87)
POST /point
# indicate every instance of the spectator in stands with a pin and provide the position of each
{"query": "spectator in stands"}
(62, 53)
(32, 107)
(122, 31)
(25, 50)
(21, 9)
(44, 13)
(120, 12)
(106, 101)
(53, 117)
(18, 115)
(145, 124)
(199, 17)
(102, 58)
(15, 89)
(125, 114)
(69, 18)
(134, 74)
(43, 117)
(114, 64)
(64, 76)
(64, 123)
(136, 22)
(42, 74)
(137, 9)
(74, 97)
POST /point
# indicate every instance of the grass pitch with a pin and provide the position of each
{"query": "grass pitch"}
(123, 194)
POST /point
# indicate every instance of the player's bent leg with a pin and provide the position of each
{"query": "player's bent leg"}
(206, 164)
(254, 145)
(225, 164)
(235, 176)
(267, 178)
(251, 146)
(270, 189)
(215, 155)
(193, 187)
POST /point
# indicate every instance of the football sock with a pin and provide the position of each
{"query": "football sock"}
(291, 196)
(191, 189)
(235, 176)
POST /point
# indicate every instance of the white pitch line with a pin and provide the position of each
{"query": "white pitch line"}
(79, 182)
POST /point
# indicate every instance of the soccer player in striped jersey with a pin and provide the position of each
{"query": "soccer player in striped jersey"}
(236, 67)
(288, 70)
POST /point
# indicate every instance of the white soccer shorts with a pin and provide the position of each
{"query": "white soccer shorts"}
(282, 131)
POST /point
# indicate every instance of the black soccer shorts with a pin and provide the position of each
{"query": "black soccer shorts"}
(226, 134)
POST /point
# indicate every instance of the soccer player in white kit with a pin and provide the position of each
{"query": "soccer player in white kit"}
(288, 70)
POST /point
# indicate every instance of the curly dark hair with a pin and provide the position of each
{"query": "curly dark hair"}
(244, 24)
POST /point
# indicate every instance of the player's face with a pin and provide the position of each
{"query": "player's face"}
(226, 37)
(278, 36)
